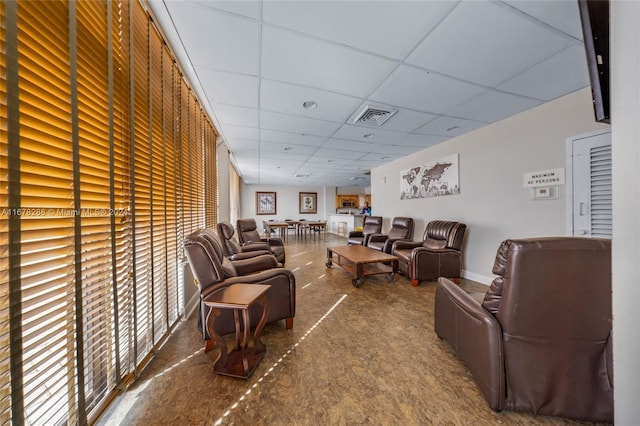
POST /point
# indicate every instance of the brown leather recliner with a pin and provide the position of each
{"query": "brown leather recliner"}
(248, 232)
(233, 249)
(401, 229)
(371, 225)
(437, 255)
(213, 271)
(540, 340)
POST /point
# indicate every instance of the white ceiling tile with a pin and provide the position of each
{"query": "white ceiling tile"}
(337, 153)
(281, 159)
(358, 133)
(285, 149)
(239, 116)
(248, 8)
(297, 124)
(404, 23)
(291, 138)
(315, 160)
(238, 144)
(379, 159)
(351, 145)
(403, 120)
(421, 141)
(231, 89)
(289, 56)
(450, 126)
(486, 43)
(494, 106)
(199, 25)
(239, 132)
(563, 73)
(418, 89)
(288, 98)
(399, 150)
(560, 14)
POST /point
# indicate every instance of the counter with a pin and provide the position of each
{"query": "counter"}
(353, 221)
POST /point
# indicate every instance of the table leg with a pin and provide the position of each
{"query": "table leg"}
(329, 258)
(220, 362)
(245, 340)
(258, 346)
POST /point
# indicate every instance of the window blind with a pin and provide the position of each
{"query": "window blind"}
(97, 129)
(46, 237)
(95, 170)
(141, 188)
(5, 349)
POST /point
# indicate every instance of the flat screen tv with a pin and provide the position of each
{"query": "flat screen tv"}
(594, 15)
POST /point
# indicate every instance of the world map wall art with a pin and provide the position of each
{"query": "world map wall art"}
(431, 180)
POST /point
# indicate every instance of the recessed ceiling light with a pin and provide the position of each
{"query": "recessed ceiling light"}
(288, 148)
(368, 135)
(329, 161)
(310, 104)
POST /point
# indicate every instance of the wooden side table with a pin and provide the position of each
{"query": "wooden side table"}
(242, 359)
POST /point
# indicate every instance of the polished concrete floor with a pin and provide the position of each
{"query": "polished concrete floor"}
(365, 355)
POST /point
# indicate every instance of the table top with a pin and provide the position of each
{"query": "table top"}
(361, 254)
(236, 296)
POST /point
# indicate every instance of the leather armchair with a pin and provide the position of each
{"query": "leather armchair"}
(437, 255)
(401, 229)
(371, 225)
(232, 248)
(248, 232)
(539, 340)
(213, 271)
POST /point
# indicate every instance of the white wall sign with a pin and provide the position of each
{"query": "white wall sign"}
(544, 178)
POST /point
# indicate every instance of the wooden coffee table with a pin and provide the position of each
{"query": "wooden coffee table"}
(242, 360)
(361, 261)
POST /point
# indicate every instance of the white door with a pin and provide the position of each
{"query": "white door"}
(592, 216)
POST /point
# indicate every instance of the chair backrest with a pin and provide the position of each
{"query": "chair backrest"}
(204, 257)
(372, 225)
(553, 302)
(441, 234)
(552, 280)
(230, 245)
(401, 228)
(247, 230)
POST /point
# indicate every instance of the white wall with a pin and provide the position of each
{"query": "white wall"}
(625, 143)
(287, 202)
(492, 200)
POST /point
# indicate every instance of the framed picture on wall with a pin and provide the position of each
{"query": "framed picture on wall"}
(308, 202)
(265, 203)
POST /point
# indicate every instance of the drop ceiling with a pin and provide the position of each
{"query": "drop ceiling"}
(446, 68)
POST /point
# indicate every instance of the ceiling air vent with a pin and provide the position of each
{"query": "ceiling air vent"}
(373, 116)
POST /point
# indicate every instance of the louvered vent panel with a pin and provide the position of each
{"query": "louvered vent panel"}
(372, 116)
(601, 213)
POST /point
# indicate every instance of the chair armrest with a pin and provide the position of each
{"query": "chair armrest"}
(389, 244)
(273, 241)
(255, 264)
(355, 234)
(476, 337)
(249, 254)
(378, 238)
(255, 246)
(406, 244)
